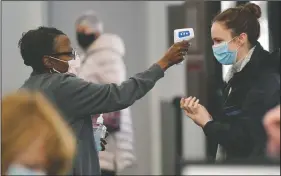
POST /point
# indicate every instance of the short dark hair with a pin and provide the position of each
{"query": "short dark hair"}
(242, 19)
(36, 43)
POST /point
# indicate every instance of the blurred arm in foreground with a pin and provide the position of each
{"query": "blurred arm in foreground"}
(272, 127)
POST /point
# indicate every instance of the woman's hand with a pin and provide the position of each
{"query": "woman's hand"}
(195, 111)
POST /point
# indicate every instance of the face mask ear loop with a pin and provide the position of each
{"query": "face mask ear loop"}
(236, 49)
(232, 39)
(57, 60)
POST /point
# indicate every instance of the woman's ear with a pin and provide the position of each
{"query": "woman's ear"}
(47, 63)
(242, 39)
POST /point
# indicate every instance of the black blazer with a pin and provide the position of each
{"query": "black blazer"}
(254, 91)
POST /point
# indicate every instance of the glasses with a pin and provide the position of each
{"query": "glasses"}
(73, 54)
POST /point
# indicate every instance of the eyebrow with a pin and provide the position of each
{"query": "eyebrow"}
(217, 38)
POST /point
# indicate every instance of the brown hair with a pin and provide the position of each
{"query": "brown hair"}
(242, 19)
(25, 117)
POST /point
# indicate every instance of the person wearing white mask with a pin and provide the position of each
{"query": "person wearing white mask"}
(103, 63)
(253, 87)
(50, 53)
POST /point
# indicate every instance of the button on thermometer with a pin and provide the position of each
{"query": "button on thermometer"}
(183, 34)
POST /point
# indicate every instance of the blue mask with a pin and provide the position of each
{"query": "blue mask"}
(223, 54)
(16, 169)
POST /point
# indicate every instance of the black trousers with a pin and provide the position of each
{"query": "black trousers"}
(107, 173)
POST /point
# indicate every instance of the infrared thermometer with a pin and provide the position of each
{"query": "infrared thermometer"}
(183, 34)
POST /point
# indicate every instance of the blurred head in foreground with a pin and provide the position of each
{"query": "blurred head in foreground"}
(35, 139)
(272, 127)
(88, 28)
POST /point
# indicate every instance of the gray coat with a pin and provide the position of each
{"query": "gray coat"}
(77, 99)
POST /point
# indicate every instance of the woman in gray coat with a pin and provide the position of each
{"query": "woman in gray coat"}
(48, 51)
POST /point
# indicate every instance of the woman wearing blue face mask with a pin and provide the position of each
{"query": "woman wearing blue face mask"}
(253, 86)
(35, 139)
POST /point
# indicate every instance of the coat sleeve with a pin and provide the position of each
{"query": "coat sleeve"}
(81, 98)
(248, 125)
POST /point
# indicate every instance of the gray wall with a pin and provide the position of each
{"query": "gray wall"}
(28, 15)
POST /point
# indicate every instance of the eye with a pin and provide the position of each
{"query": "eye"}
(217, 41)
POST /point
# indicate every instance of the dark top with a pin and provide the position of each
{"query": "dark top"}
(255, 90)
(77, 100)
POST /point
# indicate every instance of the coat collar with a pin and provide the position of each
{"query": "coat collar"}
(238, 66)
(255, 66)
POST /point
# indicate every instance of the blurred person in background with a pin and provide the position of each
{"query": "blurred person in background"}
(253, 86)
(102, 63)
(35, 139)
(50, 54)
(272, 127)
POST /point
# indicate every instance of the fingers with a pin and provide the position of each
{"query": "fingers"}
(190, 104)
(183, 43)
(184, 48)
(182, 106)
(102, 147)
(181, 46)
(186, 105)
(181, 52)
(195, 105)
(182, 102)
(103, 143)
(106, 134)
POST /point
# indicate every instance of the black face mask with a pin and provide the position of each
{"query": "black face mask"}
(85, 40)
